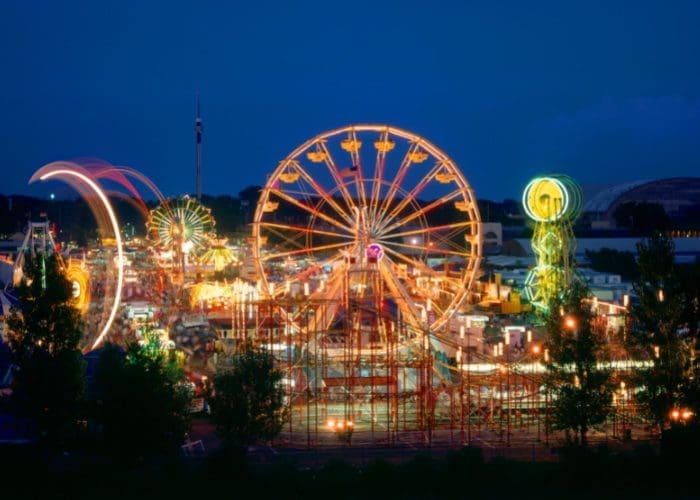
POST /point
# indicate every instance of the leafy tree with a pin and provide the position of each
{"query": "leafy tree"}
(141, 400)
(49, 384)
(659, 329)
(582, 390)
(247, 400)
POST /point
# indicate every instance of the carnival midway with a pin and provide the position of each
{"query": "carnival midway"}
(362, 275)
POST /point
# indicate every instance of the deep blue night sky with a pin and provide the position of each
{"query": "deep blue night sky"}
(604, 91)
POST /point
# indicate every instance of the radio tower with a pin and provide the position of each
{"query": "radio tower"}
(198, 130)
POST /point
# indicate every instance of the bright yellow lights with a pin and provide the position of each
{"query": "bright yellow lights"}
(384, 146)
(339, 425)
(680, 415)
(570, 323)
(418, 156)
(351, 145)
(79, 280)
(550, 198)
(545, 199)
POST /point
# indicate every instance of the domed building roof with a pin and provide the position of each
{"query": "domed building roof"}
(674, 194)
(602, 200)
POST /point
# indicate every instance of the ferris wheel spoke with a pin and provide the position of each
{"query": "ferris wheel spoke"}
(322, 322)
(421, 266)
(321, 192)
(312, 250)
(444, 200)
(354, 151)
(295, 239)
(337, 176)
(424, 248)
(431, 229)
(410, 197)
(303, 229)
(436, 234)
(383, 145)
(396, 182)
(440, 296)
(311, 210)
(307, 196)
(448, 239)
(400, 293)
(306, 274)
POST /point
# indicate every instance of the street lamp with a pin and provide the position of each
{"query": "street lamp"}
(680, 415)
(570, 323)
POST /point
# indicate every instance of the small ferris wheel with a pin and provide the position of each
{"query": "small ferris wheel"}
(182, 227)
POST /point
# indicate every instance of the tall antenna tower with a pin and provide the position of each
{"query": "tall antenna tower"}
(198, 128)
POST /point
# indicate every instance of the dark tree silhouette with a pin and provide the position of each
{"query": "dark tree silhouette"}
(247, 401)
(582, 389)
(141, 400)
(659, 329)
(49, 384)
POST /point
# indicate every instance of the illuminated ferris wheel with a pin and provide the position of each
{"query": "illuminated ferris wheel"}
(369, 209)
(181, 227)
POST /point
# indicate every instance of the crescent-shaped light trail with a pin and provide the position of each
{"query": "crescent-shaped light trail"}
(64, 171)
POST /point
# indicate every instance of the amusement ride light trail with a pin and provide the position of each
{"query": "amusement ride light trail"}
(76, 176)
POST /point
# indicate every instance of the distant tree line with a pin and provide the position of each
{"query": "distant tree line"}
(233, 214)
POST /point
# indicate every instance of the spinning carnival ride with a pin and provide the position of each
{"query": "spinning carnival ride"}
(553, 202)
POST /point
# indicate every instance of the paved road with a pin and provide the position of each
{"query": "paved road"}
(316, 450)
